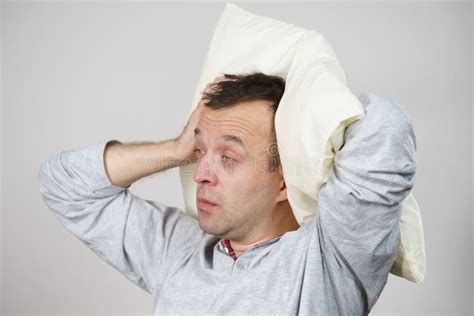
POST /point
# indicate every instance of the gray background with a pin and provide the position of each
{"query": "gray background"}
(76, 73)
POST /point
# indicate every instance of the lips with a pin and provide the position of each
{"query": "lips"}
(206, 206)
(202, 200)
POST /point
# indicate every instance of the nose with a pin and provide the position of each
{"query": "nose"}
(205, 173)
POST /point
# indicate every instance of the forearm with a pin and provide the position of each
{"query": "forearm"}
(126, 163)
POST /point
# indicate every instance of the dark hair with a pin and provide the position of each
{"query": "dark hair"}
(235, 89)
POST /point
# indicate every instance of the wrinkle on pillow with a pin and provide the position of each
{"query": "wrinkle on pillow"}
(316, 99)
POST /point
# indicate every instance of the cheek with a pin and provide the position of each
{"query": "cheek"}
(239, 187)
(247, 180)
(249, 185)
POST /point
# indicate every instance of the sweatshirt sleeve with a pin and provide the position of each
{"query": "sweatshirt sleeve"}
(140, 238)
(359, 207)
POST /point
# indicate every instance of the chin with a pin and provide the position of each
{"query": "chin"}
(210, 229)
(204, 225)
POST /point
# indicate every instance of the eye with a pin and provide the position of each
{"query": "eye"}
(226, 158)
(197, 151)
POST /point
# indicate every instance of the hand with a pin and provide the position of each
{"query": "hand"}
(185, 141)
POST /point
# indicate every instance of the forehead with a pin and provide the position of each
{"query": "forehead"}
(247, 121)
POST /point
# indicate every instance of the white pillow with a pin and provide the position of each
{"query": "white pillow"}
(316, 98)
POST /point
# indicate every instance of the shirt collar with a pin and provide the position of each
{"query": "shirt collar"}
(225, 246)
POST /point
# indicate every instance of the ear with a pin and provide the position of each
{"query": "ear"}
(282, 192)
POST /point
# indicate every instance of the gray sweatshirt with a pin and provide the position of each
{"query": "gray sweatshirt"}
(335, 264)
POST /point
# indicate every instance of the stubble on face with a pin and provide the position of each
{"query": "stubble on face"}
(242, 210)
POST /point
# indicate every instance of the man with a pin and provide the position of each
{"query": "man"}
(246, 253)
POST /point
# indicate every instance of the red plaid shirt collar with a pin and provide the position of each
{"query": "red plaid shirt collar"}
(227, 248)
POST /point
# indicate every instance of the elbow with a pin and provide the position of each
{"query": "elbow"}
(54, 185)
(48, 187)
(44, 178)
(397, 138)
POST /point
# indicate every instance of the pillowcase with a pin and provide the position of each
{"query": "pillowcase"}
(316, 98)
(410, 262)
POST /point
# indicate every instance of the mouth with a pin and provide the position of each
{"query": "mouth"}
(206, 205)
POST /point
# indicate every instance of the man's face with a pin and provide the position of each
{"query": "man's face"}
(232, 150)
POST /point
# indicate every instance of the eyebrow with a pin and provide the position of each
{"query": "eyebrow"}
(228, 138)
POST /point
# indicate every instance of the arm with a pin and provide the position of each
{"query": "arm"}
(87, 190)
(127, 163)
(359, 207)
(137, 237)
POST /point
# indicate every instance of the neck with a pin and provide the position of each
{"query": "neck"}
(284, 221)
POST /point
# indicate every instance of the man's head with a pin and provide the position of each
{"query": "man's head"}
(238, 162)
